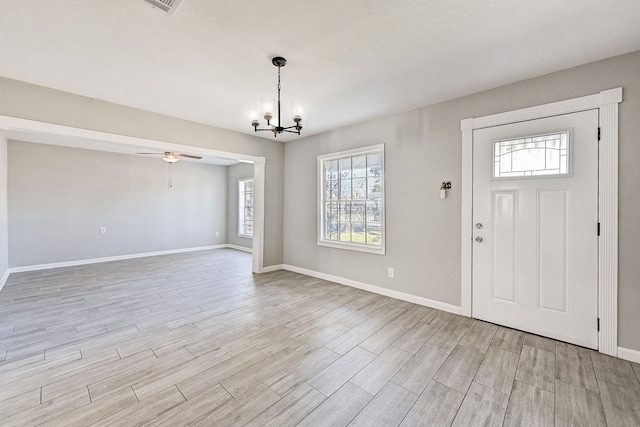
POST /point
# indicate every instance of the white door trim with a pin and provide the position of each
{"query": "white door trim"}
(607, 102)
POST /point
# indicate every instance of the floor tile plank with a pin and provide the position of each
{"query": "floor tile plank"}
(247, 379)
(48, 373)
(418, 335)
(241, 410)
(138, 373)
(448, 336)
(529, 406)
(621, 404)
(542, 343)
(40, 414)
(19, 403)
(479, 336)
(289, 410)
(384, 337)
(614, 370)
(482, 406)
(436, 406)
(381, 369)
(459, 369)
(209, 378)
(334, 376)
(339, 409)
(153, 384)
(537, 368)
(300, 371)
(498, 370)
(417, 373)
(145, 411)
(388, 408)
(574, 366)
(576, 406)
(195, 409)
(95, 411)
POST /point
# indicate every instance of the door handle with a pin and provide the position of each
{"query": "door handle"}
(479, 239)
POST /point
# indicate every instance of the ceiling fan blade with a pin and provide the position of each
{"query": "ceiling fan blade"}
(162, 154)
(187, 155)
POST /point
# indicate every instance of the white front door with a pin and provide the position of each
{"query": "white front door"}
(535, 218)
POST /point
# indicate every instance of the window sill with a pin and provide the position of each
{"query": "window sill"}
(353, 247)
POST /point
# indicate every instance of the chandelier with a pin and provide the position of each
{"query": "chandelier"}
(267, 108)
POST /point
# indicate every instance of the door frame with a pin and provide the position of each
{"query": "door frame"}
(607, 103)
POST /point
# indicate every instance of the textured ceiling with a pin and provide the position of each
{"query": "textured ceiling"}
(348, 61)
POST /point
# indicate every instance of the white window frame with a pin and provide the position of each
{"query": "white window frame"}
(241, 219)
(380, 250)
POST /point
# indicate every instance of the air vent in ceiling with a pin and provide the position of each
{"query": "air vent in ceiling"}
(167, 6)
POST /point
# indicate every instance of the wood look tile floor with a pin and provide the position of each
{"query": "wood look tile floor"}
(196, 339)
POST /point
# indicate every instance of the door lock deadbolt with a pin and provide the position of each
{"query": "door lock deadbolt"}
(479, 226)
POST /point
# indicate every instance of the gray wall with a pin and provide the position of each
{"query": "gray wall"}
(423, 148)
(234, 173)
(60, 197)
(4, 234)
(33, 102)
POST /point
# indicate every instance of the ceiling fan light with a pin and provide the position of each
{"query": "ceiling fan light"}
(170, 159)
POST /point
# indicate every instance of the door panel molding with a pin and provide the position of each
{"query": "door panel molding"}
(554, 243)
(607, 103)
(505, 224)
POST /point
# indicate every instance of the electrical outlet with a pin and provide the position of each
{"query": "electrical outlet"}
(217, 234)
(390, 272)
(103, 230)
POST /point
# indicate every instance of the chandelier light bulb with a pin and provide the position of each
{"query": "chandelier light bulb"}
(298, 111)
(254, 112)
(267, 107)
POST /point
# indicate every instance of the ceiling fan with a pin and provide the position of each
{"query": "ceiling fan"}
(172, 157)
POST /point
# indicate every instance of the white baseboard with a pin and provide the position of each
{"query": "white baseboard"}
(4, 278)
(450, 308)
(238, 248)
(629, 354)
(109, 259)
(272, 268)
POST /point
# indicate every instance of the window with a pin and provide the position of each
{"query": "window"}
(351, 205)
(532, 156)
(245, 207)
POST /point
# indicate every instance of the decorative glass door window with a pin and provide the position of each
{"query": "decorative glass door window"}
(532, 156)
